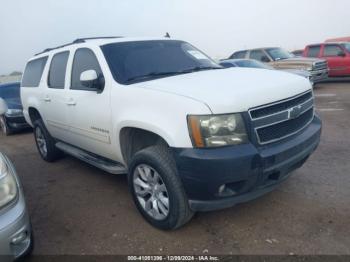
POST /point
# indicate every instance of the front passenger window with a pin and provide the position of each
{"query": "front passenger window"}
(84, 59)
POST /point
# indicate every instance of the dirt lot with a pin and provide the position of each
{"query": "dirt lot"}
(78, 209)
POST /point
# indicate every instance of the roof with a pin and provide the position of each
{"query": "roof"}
(339, 39)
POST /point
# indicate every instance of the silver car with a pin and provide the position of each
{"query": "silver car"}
(15, 229)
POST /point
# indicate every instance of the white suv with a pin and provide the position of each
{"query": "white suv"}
(191, 135)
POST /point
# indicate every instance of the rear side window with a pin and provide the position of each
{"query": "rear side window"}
(84, 59)
(240, 54)
(257, 55)
(33, 72)
(314, 51)
(332, 50)
(57, 73)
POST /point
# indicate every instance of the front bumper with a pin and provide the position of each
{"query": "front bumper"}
(17, 122)
(319, 76)
(247, 171)
(15, 229)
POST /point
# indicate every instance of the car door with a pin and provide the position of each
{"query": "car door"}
(336, 58)
(88, 109)
(54, 96)
(259, 55)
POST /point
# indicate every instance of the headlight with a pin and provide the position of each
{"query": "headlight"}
(217, 130)
(8, 184)
(14, 112)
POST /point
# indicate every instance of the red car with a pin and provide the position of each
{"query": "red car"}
(336, 54)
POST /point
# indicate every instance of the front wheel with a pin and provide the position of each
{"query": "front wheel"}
(157, 189)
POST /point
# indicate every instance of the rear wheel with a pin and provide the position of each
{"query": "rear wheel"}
(4, 126)
(45, 142)
(157, 189)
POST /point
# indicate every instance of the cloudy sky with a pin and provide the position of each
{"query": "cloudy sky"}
(217, 27)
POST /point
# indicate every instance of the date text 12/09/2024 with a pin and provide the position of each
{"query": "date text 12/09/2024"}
(173, 258)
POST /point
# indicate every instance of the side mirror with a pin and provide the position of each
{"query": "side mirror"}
(90, 79)
(265, 59)
(3, 106)
(341, 53)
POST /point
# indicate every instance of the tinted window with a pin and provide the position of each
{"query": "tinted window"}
(57, 73)
(9, 91)
(33, 72)
(332, 50)
(84, 59)
(257, 55)
(238, 55)
(132, 62)
(313, 51)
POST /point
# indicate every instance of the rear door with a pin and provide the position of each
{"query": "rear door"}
(337, 62)
(54, 96)
(88, 109)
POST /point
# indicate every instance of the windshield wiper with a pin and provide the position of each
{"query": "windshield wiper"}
(152, 74)
(160, 74)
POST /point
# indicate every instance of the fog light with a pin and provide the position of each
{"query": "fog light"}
(19, 238)
(222, 189)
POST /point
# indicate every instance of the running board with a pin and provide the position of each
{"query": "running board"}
(92, 159)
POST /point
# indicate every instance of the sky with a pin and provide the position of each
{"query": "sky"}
(216, 27)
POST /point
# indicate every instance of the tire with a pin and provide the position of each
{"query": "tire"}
(162, 172)
(6, 130)
(45, 143)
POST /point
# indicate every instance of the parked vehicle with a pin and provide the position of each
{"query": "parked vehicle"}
(251, 63)
(298, 53)
(282, 59)
(15, 229)
(13, 120)
(191, 135)
(337, 56)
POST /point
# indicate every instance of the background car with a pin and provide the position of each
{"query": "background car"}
(256, 64)
(13, 120)
(282, 59)
(336, 54)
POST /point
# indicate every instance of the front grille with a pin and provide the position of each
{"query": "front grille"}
(278, 107)
(320, 66)
(273, 122)
(283, 129)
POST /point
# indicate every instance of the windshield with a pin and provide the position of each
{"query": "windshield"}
(10, 91)
(279, 54)
(132, 62)
(346, 46)
(252, 64)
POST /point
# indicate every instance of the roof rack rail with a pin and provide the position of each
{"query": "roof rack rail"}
(82, 40)
(77, 41)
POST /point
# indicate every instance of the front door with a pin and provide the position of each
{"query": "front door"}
(89, 110)
(337, 60)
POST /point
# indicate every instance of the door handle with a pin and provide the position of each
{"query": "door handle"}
(71, 102)
(47, 99)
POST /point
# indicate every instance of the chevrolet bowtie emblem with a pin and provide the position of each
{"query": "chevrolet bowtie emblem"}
(294, 112)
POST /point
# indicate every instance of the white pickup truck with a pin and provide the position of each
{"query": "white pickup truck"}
(191, 135)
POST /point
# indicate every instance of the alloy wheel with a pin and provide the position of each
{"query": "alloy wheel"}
(151, 191)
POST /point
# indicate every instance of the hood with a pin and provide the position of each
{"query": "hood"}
(299, 61)
(13, 103)
(233, 89)
(299, 72)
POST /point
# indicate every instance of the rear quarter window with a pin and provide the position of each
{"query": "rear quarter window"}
(240, 54)
(33, 72)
